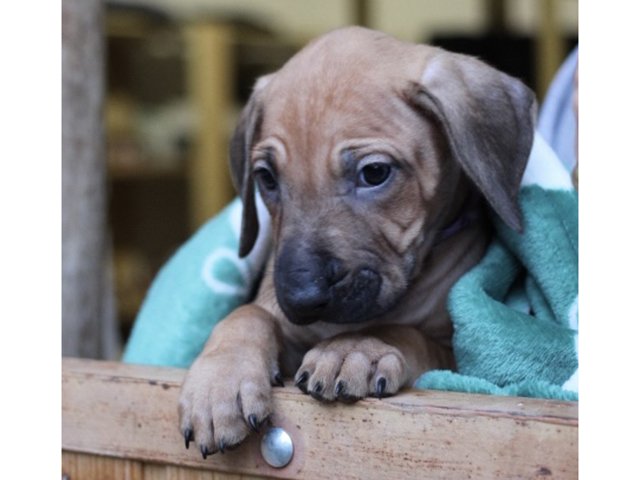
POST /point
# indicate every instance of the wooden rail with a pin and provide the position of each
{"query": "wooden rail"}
(120, 422)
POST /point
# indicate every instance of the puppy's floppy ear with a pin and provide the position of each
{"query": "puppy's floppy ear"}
(488, 120)
(242, 141)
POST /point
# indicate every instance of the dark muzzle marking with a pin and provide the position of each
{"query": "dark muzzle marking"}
(312, 285)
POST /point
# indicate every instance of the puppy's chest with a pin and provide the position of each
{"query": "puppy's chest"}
(413, 311)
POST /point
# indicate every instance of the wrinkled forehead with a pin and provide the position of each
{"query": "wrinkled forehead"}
(332, 110)
(351, 72)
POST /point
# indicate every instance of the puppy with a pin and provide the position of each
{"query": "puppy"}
(374, 158)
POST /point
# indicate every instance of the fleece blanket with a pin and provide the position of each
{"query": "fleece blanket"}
(515, 314)
(200, 284)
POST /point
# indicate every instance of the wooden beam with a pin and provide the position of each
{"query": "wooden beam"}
(130, 413)
(361, 12)
(88, 308)
(549, 48)
(210, 67)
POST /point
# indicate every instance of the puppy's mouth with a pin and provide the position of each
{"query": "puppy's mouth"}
(313, 286)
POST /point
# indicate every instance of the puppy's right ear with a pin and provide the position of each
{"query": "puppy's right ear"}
(242, 141)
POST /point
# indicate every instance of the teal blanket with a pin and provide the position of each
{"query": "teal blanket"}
(515, 314)
(200, 285)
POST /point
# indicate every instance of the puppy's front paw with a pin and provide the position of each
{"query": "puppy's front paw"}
(350, 367)
(223, 397)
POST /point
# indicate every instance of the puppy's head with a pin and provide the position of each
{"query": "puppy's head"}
(363, 148)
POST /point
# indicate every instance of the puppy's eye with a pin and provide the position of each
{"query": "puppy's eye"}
(374, 174)
(266, 178)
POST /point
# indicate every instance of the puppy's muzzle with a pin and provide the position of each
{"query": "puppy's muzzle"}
(312, 285)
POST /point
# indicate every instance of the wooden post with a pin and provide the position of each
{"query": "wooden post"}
(361, 12)
(549, 49)
(210, 71)
(119, 418)
(88, 318)
(497, 13)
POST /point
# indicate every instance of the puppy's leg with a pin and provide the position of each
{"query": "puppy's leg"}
(376, 362)
(227, 391)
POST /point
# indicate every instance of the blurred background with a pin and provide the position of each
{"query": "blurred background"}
(170, 78)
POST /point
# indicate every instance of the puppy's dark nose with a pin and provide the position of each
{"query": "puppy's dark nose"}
(304, 278)
(307, 296)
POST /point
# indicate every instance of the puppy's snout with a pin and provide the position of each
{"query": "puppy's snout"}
(304, 279)
(306, 299)
(313, 285)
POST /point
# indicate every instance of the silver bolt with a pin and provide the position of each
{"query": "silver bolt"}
(277, 447)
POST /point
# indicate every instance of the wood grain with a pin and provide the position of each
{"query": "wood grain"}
(129, 412)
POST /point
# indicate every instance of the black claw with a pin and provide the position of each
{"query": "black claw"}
(188, 437)
(301, 383)
(204, 451)
(318, 388)
(233, 447)
(348, 398)
(342, 396)
(221, 446)
(253, 423)
(381, 385)
(278, 380)
(266, 420)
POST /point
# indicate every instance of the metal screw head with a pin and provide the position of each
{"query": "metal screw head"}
(276, 447)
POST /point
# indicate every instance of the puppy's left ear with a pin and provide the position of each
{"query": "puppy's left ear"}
(240, 146)
(488, 120)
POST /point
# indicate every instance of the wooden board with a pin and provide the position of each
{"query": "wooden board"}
(130, 412)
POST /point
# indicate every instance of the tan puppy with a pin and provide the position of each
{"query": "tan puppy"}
(368, 153)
